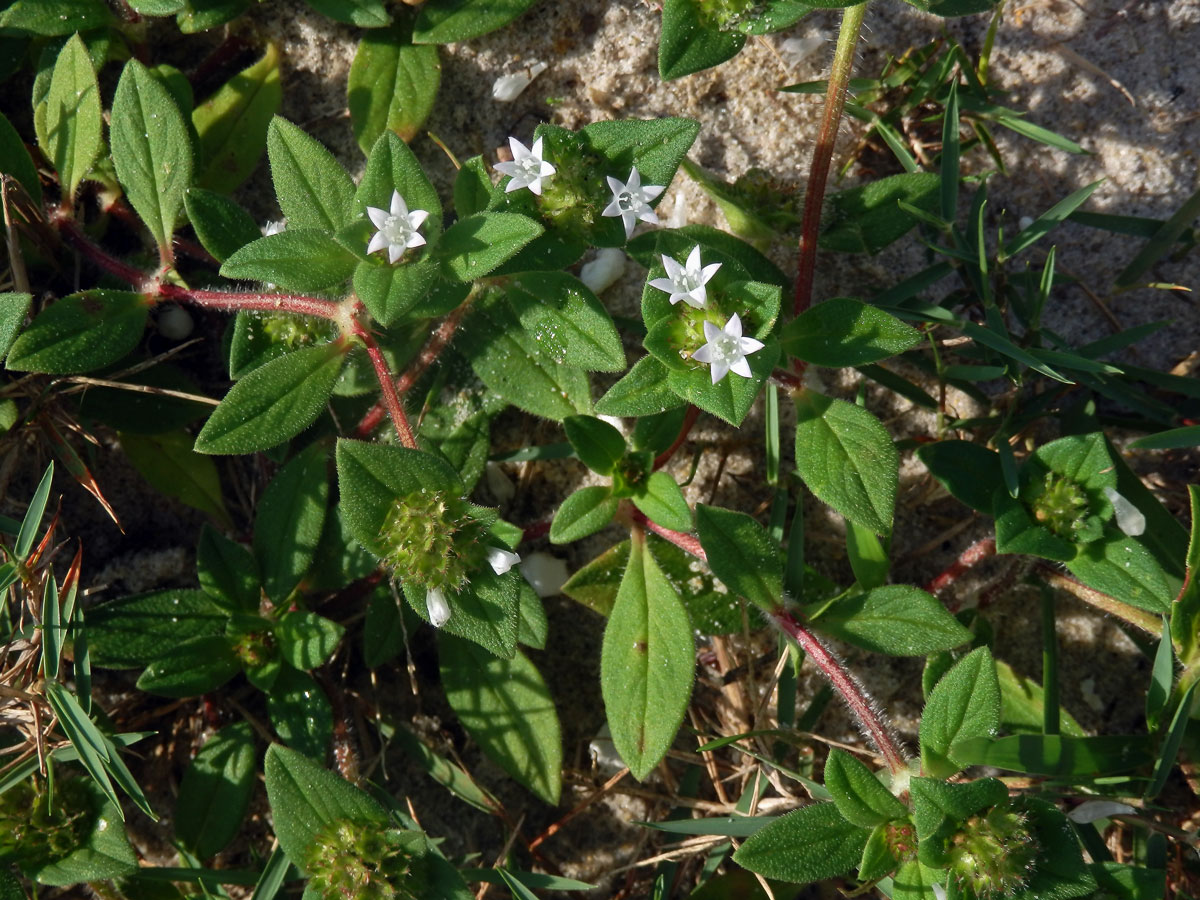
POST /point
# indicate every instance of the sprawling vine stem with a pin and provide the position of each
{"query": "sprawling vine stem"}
(818, 173)
(345, 314)
(874, 727)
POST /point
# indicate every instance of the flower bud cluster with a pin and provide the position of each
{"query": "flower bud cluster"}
(1062, 506)
(994, 853)
(361, 862)
(431, 539)
(34, 834)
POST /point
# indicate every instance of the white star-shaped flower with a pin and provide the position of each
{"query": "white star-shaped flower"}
(686, 282)
(437, 607)
(501, 560)
(397, 228)
(726, 349)
(631, 200)
(528, 169)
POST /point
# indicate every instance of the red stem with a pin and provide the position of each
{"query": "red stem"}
(818, 174)
(689, 420)
(972, 556)
(387, 386)
(109, 264)
(846, 685)
(431, 351)
(234, 300)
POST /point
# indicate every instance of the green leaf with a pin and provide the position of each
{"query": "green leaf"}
(741, 554)
(372, 477)
(363, 13)
(935, 801)
(688, 44)
(203, 15)
(971, 473)
(642, 391)
(215, 792)
(866, 219)
(222, 226)
(390, 291)
(508, 359)
(486, 611)
(288, 524)
(858, 795)
(646, 663)
(314, 191)
(168, 462)
(80, 333)
(195, 667)
(383, 629)
(391, 166)
(582, 513)
(275, 402)
(306, 799)
(1125, 569)
(16, 161)
(1016, 532)
(133, 631)
(729, 399)
(662, 502)
(1047, 221)
(847, 459)
(73, 115)
(1185, 614)
(598, 444)
(307, 640)
(473, 188)
(227, 572)
(868, 556)
(1054, 754)
(301, 715)
(566, 321)
(806, 845)
(298, 259)
(533, 628)
(914, 880)
(232, 123)
(55, 17)
(444, 21)
(151, 151)
(505, 706)
(392, 86)
(896, 619)
(475, 245)
(103, 851)
(964, 704)
(1023, 704)
(843, 332)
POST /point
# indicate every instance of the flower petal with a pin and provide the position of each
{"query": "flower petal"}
(501, 560)
(665, 284)
(740, 367)
(733, 327)
(378, 242)
(399, 207)
(711, 331)
(377, 216)
(704, 354)
(718, 370)
(437, 607)
(749, 345)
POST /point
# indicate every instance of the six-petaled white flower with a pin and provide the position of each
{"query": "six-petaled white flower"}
(438, 608)
(726, 349)
(501, 560)
(631, 200)
(686, 282)
(397, 228)
(528, 168)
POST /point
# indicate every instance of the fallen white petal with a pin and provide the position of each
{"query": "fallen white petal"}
(507, 88)
(546, 574)
(1129, 518)
(603, 271)
(1094, 810)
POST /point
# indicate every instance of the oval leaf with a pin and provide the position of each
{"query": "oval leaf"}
(505, 706)
(847, 459)
(646, 664)
(215, 791)
(964, 704)
(73, 115)
(897, 619)
(392, 86)
(843, 332)
(809, 844)
(80, 333)
(274, 402)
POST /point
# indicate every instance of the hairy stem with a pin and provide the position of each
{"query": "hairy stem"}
(1148, 622)
(818, 173)
(872, 723)
(689, 421)
(387, 386)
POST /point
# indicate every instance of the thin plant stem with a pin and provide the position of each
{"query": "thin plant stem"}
(387, 386)
(689, 421)
(873, 725)
(972, 556)
(297, 304)
(1148, 622)
(429, 353)
(818, 173)
(1050, 713)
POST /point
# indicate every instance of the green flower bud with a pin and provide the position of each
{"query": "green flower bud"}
(432, 539)
(360, 861)
(993, 854)
(1061, 506)
(295, 331)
